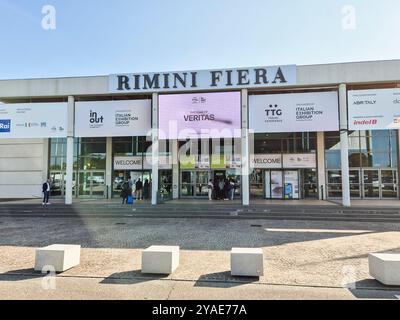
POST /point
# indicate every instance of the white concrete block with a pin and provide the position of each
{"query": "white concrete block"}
(247, 262)
(160, 259)
(62, 257)
(385, 267)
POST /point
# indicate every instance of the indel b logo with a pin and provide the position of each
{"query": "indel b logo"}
(273, 111)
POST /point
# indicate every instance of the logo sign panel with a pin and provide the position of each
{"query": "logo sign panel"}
(33, 120)
(271, 76)
(299, 161)
(5, 125)
(296, 112)
(113, 118)
(374, 109)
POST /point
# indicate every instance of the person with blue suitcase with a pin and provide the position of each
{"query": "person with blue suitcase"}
(125, 193)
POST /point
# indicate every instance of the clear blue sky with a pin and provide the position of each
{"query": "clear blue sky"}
(99, 37)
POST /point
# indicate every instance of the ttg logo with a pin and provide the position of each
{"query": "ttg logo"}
(273, 111)
(94, 118)
(5, 126)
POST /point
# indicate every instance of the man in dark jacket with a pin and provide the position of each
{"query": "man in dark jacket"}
(138, 189)
(46, 192)
(125, 192)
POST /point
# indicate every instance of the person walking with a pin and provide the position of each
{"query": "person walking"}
(146, 189)
(226, 189)
(46, 192)
(125, 192)
(221, 185)
(210, 189)
(138, 189)
(232, 189)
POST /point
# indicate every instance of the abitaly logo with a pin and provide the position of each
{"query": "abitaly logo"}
(5, 126)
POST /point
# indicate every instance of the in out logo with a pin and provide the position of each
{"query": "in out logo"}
(94, 118)
(273, 111)
(5, 126)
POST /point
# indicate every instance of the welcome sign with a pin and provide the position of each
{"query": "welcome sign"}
(217, 79)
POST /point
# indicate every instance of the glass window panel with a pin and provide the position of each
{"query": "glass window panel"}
(332, 144)
(333, 160)
(354, 160)
(354, 176)
(334, 176)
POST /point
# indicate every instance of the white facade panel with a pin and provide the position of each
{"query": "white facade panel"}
(20, 191)
(21, 150)
(21, 164)
(21, 178)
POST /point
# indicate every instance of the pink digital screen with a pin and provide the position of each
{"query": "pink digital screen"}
(200, 115)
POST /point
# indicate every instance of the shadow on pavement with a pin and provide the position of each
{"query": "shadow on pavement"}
(131, 277)
(373, 289)
(22, 274)
(223, 280)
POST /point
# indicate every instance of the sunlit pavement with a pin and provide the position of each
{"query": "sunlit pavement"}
(303, 259)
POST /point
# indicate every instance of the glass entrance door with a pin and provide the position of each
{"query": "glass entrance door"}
(389, 184)
(91, 184)
(195, 184)
(371, 186)
(202, 178)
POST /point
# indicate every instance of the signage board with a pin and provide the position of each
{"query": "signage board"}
(217, 79)
(374, 109)
(200, 116)
(294, 112)
(33, 120)
(122, 118)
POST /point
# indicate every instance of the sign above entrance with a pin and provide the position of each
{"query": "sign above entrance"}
(200, 115)
(140, 163)
(122, 118)
(266, 161)
(217, 79)
(299, 161)
(33, 120)
(294, 112)
(374, 109)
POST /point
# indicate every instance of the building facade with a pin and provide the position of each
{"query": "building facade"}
(283, 132)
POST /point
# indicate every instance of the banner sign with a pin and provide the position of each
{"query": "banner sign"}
(238, 78)
(374, 109)
(266, 161)
(33, 120)
(141, 163)
(200, 116)
(298, 161)
(295, 112)
(122, 118)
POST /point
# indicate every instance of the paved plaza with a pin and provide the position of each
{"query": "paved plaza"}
(303, 259)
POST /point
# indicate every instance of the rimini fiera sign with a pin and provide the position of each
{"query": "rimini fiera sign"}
(238, 78)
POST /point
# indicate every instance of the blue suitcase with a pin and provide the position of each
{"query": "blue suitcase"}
(129, 200)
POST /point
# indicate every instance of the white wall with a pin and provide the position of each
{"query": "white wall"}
(22, 167)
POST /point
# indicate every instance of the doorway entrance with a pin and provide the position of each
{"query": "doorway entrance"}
(194, 184)
(379, 184)
(91, 184)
